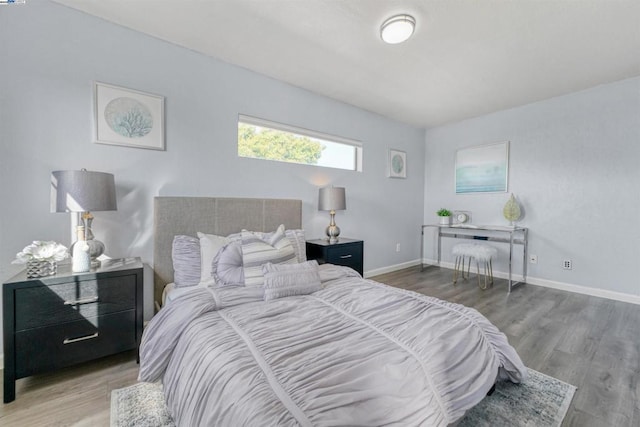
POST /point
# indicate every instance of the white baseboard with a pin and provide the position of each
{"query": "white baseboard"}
(2, 361)
(578, 289)
(391, 268)
(594, 292)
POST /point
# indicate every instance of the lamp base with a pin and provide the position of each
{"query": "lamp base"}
(96, 248)
(333, 231)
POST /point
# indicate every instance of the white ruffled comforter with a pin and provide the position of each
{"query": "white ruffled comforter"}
(355, 353)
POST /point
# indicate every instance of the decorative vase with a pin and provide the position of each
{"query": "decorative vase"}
(511, 210)
(41, 268)
(80, 256)
(445, 220)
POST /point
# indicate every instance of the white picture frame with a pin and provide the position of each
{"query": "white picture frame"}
(397, 164)
(128, 117)
(482, 169)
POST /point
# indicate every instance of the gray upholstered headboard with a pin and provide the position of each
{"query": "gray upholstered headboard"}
(212, 215)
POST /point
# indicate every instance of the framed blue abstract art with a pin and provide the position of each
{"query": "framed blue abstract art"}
(482, 169)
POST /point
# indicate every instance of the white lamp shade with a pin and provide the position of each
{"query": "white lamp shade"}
(332, 199)
(397, 29)
(82, 191)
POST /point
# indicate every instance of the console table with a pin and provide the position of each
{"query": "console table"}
(491, 233)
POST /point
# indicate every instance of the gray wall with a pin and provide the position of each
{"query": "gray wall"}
(574, 166)
(50, 56)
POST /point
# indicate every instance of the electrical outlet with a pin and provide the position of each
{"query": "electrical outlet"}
(533, 259)
(397, 247)
(567, 264)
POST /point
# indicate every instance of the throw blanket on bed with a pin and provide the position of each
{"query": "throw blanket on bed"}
(354, 353)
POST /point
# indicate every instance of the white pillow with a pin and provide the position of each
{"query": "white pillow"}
(210, 245)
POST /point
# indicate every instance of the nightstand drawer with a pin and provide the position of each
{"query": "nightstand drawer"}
(60, 320)
(53, 347)
(40, 306)
(347, 252)
(342, 254)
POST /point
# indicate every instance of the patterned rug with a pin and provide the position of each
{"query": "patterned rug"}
(542, 401)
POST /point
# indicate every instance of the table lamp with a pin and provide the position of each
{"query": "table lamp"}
(332, 199)
(82, 192)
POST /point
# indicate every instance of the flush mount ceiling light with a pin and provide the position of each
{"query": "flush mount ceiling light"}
(397, 29)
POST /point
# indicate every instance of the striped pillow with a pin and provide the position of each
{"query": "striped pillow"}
(257, 252)
(299, 243)
(288, 280)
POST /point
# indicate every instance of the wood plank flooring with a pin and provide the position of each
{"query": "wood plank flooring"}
(589, 342)
(75, 396)
(592, 343)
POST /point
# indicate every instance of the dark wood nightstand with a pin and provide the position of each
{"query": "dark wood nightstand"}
(347, 252)
(56, 321)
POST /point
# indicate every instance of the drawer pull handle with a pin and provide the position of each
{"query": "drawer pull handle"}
(72, 340)
(81, 301)
(345, 256)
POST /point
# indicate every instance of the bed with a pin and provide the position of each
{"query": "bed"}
(302, 344)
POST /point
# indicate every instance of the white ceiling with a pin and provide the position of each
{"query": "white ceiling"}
(466, 58)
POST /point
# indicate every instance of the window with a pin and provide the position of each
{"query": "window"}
(262, 139)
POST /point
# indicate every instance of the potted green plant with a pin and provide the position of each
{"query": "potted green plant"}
(445, 216)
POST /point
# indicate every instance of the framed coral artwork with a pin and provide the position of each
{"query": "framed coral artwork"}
(128, 117)
(397, 164)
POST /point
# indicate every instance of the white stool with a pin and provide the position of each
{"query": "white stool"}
(482, 254)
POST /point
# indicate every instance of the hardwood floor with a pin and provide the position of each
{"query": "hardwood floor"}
(77, 396)
(589, 342)
(592, 343)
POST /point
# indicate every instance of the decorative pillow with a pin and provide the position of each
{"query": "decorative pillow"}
(210, 245)
(256, 252)
(227, 266)
(299, 243)
(287, 280)
(185, 253)
(296, 237)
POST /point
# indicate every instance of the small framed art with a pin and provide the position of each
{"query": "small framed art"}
(128, 117)
(397, 164)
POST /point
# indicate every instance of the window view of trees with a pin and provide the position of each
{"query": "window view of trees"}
(266, 140)
(271, 144)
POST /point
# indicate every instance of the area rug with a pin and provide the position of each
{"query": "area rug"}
(542, 401)
(140, 405)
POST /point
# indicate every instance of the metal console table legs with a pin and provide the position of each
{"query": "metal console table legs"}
(492, 233)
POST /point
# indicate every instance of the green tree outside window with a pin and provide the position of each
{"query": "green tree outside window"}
(273, 144)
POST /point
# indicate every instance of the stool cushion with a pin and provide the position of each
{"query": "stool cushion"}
(480, 252)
